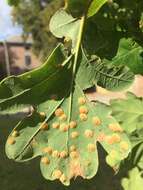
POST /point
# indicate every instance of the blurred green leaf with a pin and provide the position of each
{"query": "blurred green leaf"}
(130, 54)
(95, 6)
(129, 112)
(134, 181)
(77, 8)
(13, 2)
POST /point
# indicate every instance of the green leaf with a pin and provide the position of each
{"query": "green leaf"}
(129, 54)
(80, 7)
(141, 22)
(20, 92)
(64, 127)
(13, 2)
(112, 77)
(63, 24)
(95, 71)
(77, 8)
(86, 72)
(134, 181)
(101, 37)
(95, 6)
(76, 154)
(129, 112)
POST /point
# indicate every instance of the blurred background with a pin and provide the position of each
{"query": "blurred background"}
(25, 39)
(25, 42)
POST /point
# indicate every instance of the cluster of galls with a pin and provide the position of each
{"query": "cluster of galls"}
(72, 151)
(62, 126)
(12, 139)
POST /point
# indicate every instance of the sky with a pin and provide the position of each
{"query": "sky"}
(7, 28)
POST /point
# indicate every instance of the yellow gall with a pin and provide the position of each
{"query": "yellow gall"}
(57, 174)
(73, 154)
(47, 150)
(115, 127)
(96, 121)
(42, 115)
(88, 133)
(83, 116)
(115, 138)
(63, 154)
(72, 148)
(63, 117)
(73, 124)
(64, 127)
(55, 125)
(15, 133)
(59, 112)
(55, 154)
(74, 134)
(11, 141)
(91, 147)
(109, 140)
(63, 178)
(81, 100)
(114, 154)
(124, 145)
(101, 137)
(83, 109)
(45, 161)
(44, 126)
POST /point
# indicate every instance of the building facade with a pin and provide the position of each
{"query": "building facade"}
(18, 56)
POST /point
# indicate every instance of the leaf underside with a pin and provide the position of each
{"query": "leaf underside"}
(112, 77)
(73, 150)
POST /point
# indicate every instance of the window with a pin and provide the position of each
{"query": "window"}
(27, 56)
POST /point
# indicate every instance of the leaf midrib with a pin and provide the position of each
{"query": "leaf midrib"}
(110, 76)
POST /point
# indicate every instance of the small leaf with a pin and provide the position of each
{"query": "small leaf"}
(112, 77)
(129, 54)
(63, 24)
(86, 72)
(13, 2)
(95, 6)
(95, 71)
(134, 181)
(129, 112)
(80, 7)
(77, 8)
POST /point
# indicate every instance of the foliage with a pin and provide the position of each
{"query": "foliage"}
(32, 141)
(64, 128)
(33, 17)
(134, 181)
(129, 112)
(114, 21)
(13, 2)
